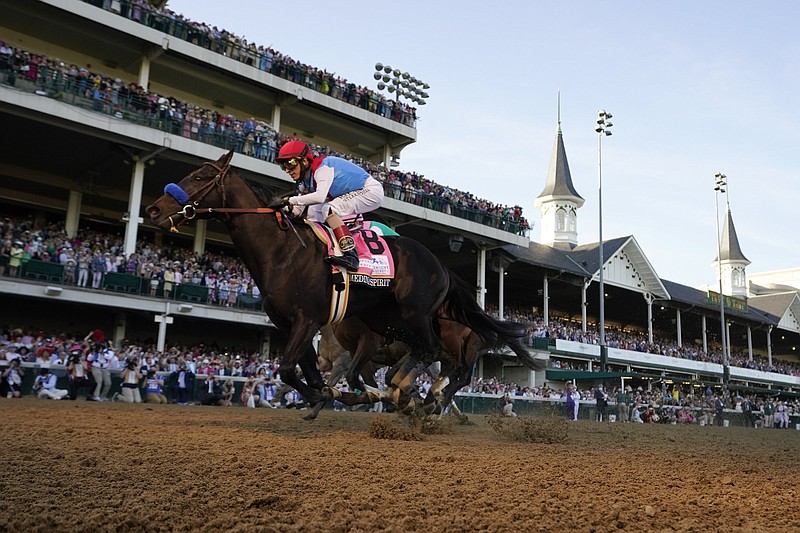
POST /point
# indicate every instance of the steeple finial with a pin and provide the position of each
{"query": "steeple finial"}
(559, 111)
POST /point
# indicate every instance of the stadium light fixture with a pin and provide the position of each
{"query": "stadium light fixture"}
(400, 84)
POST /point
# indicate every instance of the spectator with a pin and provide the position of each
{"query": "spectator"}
(623, 408)
(45, 386)
(719, 407)
(78, 373)
(129, 390)
(153, 388)
(572, 398)
(12, 379)
(212, 390)
(182, 383)
(507, 406)
(602, 403)
(98, 356)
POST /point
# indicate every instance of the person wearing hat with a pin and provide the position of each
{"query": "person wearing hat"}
(15, 261)
(99, 356)
(45, 386)
(330, 187)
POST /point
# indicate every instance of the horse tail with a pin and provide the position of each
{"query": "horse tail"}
(460, 305)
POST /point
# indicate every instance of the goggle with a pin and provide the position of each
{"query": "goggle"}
(289, 164)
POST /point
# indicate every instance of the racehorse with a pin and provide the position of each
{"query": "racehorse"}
(287, 264)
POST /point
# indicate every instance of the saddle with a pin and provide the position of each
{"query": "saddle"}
(376, 264)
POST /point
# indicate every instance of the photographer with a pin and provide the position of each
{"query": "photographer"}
(153, 388)
(212, 391)
(130, 383)
(45, 386)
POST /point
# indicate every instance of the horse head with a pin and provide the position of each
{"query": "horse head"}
(201, 188)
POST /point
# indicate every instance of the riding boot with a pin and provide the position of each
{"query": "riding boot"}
(349, 259)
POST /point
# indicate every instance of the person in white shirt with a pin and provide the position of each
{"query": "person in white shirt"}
(45, 386)
(99, 356)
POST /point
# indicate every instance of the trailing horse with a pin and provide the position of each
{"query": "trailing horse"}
(298, 287)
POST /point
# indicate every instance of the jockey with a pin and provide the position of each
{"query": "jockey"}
(331, 187)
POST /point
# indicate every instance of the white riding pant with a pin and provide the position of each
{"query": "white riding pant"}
(367, 198)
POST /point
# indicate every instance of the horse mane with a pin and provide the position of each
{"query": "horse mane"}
(262, 193)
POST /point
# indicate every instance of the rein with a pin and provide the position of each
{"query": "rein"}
(191, 210)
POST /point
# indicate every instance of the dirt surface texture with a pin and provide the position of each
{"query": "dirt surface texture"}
(94, 467)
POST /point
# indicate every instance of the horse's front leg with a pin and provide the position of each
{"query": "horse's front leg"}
(300, 351)
(405, 394)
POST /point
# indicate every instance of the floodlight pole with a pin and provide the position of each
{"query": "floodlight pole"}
(720, 182)
(603, 129)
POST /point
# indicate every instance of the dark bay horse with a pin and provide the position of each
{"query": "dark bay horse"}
(286, 263)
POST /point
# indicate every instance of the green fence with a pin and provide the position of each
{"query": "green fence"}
(119, 282)
(43, 271)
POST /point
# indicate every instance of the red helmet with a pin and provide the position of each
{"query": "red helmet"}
(294, 149)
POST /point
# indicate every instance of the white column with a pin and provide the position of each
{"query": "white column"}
(705, 336)
(649, 299)
(728, 338)
(144, 73)
(276, 117)
(73, 213)
(584, 305)
(482, 277)
(134, 206)
(200, 230)
(501, 274)
(546, 298)
(387, 156)
(678, 323)
(120, 327)
(769, 345)
(163, 320)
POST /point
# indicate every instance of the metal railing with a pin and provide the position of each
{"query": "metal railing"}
(130, 284)
(231, 46)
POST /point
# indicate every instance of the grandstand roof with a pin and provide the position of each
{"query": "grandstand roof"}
(785, 307)
(696, 298)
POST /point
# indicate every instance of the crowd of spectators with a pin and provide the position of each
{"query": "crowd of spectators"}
(90, 255)
(23, 239)
(266, 59)
(635, 341)
(249, 136)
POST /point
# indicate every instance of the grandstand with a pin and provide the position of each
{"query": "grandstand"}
(102, 108)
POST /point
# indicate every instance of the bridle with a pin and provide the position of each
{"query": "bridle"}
(191, 210)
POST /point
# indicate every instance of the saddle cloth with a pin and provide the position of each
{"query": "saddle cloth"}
(376, 264)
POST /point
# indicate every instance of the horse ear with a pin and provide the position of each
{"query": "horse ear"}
(225, 160)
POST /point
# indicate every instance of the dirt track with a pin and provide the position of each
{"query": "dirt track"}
(82, 466)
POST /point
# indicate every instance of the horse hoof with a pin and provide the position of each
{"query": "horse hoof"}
(310, 416)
